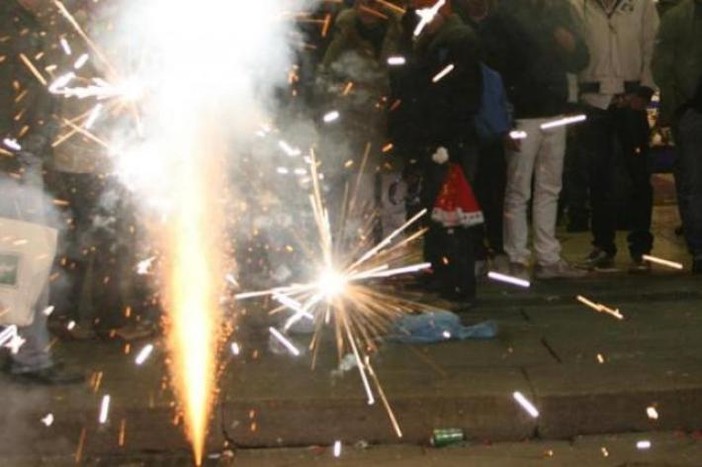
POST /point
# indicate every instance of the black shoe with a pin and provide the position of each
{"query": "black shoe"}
(598, 259)
(639, 266)
(51, 376)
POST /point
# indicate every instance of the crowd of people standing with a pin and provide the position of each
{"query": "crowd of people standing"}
(602, 60)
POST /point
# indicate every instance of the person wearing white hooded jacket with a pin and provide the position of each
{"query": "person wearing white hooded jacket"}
(615, 89)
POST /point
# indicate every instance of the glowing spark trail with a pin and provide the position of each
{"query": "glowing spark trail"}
(104, 409)
(600, 307)
(563, 121)
(662, 262)
(440, 75)
(283, 340)
(426, 16)
(144, 354)
(526, 404)
(509, 279)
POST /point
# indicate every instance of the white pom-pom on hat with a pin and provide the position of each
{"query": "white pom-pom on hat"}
(441, 156)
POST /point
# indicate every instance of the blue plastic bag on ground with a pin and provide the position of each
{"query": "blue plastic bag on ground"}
(437, 326)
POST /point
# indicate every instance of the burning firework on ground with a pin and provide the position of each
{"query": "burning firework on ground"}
(342, 292)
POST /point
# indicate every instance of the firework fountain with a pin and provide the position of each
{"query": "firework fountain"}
(200, 69)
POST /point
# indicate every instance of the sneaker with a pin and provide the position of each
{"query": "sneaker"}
(519, 271)
(639, 266)
(52, 376)
(561, 269)
(598, 259)
(81, 332)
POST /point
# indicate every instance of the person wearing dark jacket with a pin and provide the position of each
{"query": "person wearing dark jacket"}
(501, 39)
(446, 97)
(677, 70)
(538, 89)
(26, 131)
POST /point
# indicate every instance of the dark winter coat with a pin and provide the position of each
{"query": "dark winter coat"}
(445, 109)
(536, 80)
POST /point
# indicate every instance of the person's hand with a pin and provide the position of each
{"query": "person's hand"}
(511, 144)
(564, 38)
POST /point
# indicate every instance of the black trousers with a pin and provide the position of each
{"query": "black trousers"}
(490, 182)
(616, 142)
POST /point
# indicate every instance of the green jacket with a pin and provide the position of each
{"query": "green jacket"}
(347, 38)
(677, 58)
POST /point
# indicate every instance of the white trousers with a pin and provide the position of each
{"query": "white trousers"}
(540, 158)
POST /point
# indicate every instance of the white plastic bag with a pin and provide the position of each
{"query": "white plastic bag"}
(26, 255)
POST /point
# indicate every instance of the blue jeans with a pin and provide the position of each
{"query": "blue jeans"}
(26, 202)
(688, 177)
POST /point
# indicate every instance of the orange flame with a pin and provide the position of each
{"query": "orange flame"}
(194, 283)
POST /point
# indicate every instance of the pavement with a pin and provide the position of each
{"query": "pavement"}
(589, 375)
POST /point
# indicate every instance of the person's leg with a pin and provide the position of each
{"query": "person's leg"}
(520, 169)
(598, 142)
(460, 268)
(34, 354)
(633, 132)
(576, 183)
(548, 176)
(490, 182)
(688, 134)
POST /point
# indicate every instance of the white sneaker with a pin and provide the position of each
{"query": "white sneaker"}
(561, 269)
(519, 271)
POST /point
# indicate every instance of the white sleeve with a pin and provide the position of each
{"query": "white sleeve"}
(649, 29)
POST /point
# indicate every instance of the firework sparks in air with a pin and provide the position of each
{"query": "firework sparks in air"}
(340, 294)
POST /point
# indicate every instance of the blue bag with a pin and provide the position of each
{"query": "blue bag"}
(493, 118)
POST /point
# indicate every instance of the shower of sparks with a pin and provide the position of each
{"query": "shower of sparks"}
(526, 404)
(442, 74)
(337, 448)
(600, 307)
(340, 296)
(563, 121)
(48, 310)
(509, 279)
(518, 134)
(426, 16)
(235, 348)
(662, 262)
(104, 409)
(144, 354)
